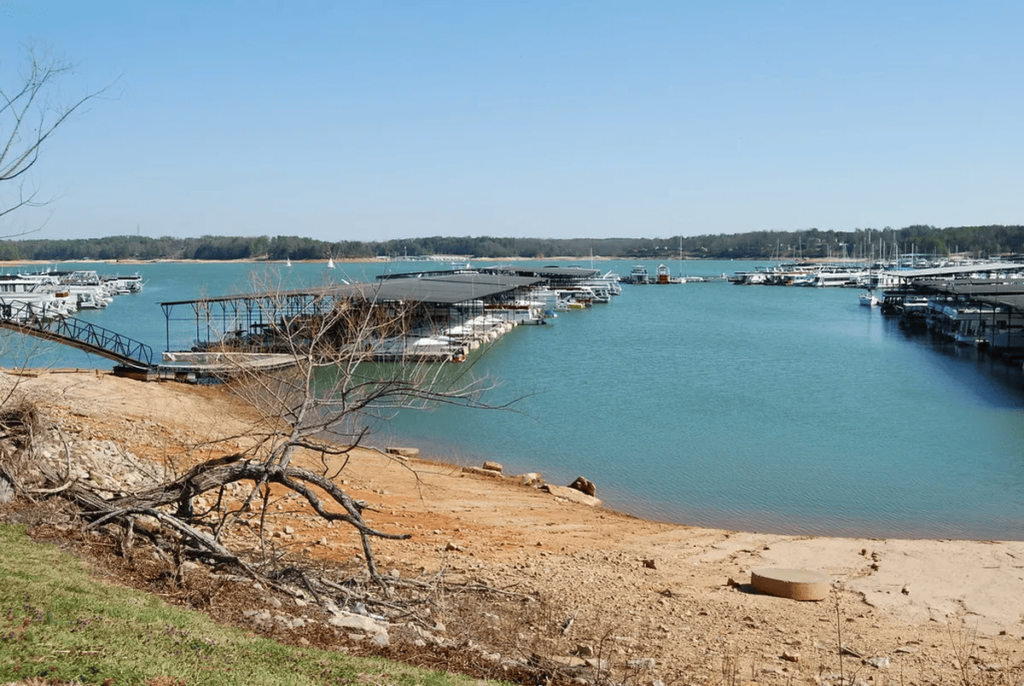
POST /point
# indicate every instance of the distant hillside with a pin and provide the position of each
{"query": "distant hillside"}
(979, 241)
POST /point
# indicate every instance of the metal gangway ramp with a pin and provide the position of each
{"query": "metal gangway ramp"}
(129, 353)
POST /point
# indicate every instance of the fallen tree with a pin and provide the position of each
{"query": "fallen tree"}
(325, 406)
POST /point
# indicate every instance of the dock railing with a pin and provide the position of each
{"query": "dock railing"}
(92, 338)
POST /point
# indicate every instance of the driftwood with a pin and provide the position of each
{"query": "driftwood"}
(214, 475)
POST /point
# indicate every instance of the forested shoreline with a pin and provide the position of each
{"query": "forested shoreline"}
(865, 244)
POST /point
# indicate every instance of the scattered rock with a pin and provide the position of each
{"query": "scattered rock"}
(649, 564)
(531, 479)
(479, 471)
(572, 494)
(262, 618)
(493, 467)
(642, 663)
(348, 620)
(418, 634)
(6, 490)
(404, 452)
(879, 662)
(584, 485)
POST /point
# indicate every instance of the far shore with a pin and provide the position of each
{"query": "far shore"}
(364, 260)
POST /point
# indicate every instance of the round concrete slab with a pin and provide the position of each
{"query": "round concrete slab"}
(798, 584)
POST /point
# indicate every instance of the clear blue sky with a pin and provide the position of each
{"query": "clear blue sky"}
(366, 120)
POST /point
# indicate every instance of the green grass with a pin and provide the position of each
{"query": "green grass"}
(57, 622)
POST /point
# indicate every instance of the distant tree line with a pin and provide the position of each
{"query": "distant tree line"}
(861, 244)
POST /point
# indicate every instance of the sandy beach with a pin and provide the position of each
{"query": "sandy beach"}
(675, 594)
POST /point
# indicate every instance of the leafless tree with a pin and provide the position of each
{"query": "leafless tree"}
(319, 408)
(30, 115)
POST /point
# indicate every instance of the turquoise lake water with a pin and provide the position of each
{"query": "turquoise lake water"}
(791, 410)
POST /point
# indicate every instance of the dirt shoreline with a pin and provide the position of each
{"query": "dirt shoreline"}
(675, 593)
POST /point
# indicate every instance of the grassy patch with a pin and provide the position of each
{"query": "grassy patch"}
(57, 622)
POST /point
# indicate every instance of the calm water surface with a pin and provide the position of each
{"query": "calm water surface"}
(789, 410)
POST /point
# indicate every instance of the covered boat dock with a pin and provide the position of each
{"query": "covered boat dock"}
(438, 317)
(987, 313)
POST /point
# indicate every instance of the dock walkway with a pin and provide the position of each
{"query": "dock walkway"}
(80, 334)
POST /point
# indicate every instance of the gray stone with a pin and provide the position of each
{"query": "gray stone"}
(417, 634)
(347, 620)
(261, 619)
(6, 491)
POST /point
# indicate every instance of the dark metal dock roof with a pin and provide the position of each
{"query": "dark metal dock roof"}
(447, 289)
(452, 288)
(994, 292)
(934, 272)
(552, 272)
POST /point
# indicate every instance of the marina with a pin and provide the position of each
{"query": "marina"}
(433, 316)
(796, 408)
(978, 303)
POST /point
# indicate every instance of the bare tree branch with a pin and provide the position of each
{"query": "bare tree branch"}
(28, 119)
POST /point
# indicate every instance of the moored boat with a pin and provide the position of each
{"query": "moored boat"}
(869, 299)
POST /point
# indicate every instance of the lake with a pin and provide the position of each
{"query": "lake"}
(790, 410)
